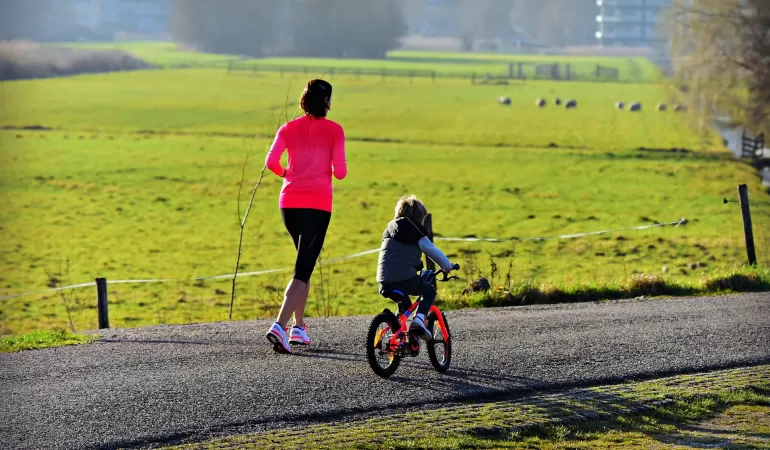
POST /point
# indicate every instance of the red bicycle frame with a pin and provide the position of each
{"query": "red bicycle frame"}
(398, 337)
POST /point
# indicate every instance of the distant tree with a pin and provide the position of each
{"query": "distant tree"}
(485, 19)
(243, 27)
(720, 50)
(556, 22)
(352, 28)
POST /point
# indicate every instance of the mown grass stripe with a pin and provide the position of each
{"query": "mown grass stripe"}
(568, 407)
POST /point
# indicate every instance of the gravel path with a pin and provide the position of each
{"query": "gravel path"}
(148, 386)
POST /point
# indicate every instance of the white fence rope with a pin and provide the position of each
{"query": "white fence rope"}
(682, 221)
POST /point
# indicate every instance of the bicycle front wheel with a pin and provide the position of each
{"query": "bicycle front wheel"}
(439, 349)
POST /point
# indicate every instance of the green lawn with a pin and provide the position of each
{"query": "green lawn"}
(158, 53)
(41, 339)
(451, 112)
(138, 181)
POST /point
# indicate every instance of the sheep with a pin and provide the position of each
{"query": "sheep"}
(680, 108)
(504, 100)
(557, 102)
(540, 102)
(571, 104)
(620, 105)
(635, 106)
(662, 106)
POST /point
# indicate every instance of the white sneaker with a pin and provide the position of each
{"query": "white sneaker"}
(419, 327)
(277, 336)
(299, 335)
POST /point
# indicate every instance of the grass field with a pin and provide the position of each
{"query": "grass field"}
(445, 64)
(722, 409)
(41, 339)
(451, 112)
(156, 53)
(139, 173)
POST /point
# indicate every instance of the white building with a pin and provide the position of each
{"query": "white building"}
(631, 23)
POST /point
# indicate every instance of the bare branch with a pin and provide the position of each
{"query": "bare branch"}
(242, 222)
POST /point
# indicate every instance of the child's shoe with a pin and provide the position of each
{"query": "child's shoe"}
(420, 328)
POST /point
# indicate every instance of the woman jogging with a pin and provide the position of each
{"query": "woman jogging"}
(316, 149)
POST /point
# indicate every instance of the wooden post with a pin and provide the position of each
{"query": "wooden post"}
(510, 70)
(429, 264)
(743, 194)
(101, 303)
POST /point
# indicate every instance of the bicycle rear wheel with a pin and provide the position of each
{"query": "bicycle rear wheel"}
(383, 359)
(439, 349)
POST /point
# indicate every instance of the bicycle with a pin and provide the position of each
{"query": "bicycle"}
(402, 343)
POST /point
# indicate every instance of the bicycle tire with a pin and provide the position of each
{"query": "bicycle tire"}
(371, 353)
(432, 356)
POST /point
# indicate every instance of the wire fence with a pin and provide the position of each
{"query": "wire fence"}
(503, 72)
(688, 250)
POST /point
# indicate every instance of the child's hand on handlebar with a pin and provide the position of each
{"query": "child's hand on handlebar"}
(454, 267)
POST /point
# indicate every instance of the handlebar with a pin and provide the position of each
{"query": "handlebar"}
(428, 275)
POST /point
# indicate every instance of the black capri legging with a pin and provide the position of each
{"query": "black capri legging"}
(307, 228)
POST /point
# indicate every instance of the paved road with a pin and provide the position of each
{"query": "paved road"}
(155, 385)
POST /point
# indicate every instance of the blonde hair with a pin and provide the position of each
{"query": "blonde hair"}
(412, 208)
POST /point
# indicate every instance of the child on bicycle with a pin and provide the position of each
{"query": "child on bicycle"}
(403, 243)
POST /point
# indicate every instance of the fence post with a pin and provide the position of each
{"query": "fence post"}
(510, 70)
(101, 303)
(743, 194)
(428, 224)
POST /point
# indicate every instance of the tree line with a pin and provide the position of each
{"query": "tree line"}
(328, 28)
(367, 28)
(720, 53)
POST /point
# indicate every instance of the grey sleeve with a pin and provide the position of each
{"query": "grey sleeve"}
(434, 253)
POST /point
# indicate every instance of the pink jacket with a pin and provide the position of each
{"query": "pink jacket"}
(316, 151)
